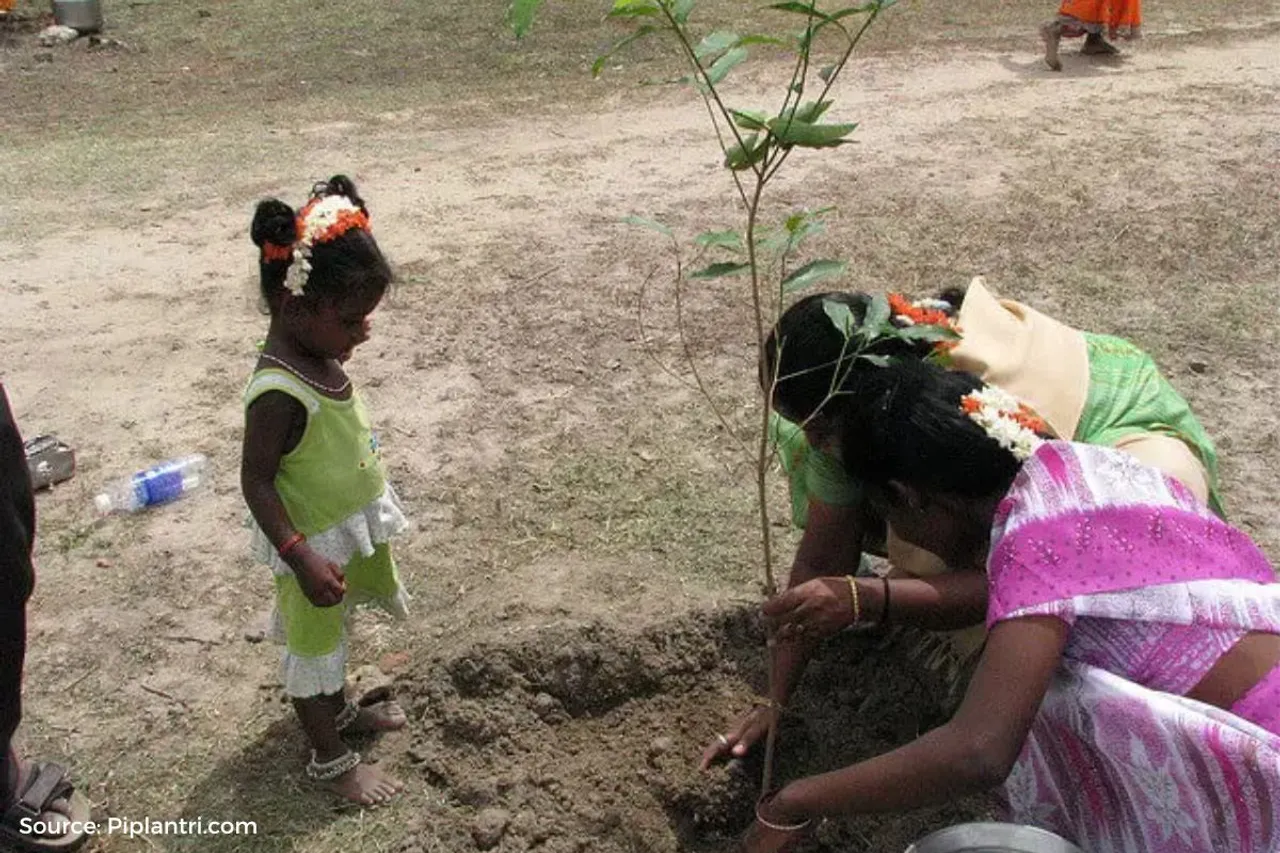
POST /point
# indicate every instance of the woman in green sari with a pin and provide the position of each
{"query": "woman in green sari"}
(1087, 387)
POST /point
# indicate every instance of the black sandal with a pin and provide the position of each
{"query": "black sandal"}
(45, 785)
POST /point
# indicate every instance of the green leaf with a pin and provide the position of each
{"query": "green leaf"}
(731, 240)
(809, 112)
(651, 224)
(877, 360)
(810, 273)
(681, 10)
(840, 316)
(520, 15)
(635, 9)
(803, 225)
(807, 134)
(746, 155)
(715, 44)
(876, 317)
(598, 65)
(854, 10)
(812, 111)
(771, 239)
(758, 38)
(834, 17)
(725, 64)
(826, 71)
(794, 222)
(750, 119)
(721, 269)
(807, 9)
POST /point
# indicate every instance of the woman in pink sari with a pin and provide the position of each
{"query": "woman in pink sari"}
(1128, 697)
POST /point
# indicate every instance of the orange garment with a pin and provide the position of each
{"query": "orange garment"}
(1120, 17)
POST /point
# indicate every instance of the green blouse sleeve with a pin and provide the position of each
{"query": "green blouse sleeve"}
(826, 481)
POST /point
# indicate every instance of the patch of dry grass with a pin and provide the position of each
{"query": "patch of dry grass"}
(92, 125)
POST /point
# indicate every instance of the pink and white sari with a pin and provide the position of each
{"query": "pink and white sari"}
(1156, 588)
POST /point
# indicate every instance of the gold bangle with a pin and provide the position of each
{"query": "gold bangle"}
(855, 602)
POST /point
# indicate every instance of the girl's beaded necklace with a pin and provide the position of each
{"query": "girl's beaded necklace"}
(328, 389)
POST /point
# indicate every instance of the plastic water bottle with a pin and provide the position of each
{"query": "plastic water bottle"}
(159, 484)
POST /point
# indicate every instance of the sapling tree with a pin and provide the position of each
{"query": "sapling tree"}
(755, 144)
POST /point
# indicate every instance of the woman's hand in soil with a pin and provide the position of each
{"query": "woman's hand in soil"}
(738, 740)
(813, 610)
(321, 580)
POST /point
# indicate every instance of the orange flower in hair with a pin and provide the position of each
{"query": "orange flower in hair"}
(323, 219)
(925, 312)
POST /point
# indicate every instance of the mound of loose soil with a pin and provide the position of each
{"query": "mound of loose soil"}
(586, 738)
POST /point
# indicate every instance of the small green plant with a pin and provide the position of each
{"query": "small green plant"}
(755, 144)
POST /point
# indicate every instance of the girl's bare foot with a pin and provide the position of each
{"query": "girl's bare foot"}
(366, 785)
(1096, 45)
(385, 716)
(348, 777)
(1052, 34)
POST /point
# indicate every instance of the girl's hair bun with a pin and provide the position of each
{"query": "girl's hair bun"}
(954, 296)
(344, 186)
(274, 222)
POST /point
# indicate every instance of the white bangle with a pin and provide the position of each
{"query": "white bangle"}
(796, 827)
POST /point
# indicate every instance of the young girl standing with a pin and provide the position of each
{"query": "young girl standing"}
(312, 474)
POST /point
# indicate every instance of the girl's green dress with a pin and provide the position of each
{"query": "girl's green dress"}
(335, 492)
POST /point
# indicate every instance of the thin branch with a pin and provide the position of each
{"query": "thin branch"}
(155, 692)
(706, 80)
(844, 59)
(798, 73)
(831, 79)
(652, 353)
(693, 364)
(737, 181)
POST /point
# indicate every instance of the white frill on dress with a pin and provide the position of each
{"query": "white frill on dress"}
(372, 525)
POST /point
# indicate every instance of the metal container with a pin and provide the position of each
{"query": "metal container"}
(82, 15)
(993, 838)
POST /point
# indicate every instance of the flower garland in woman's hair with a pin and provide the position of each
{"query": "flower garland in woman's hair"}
(323, 219)
(1010, 422)
(925, 312)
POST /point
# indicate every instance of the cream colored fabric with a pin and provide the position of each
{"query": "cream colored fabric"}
(1037, 359)
(1042, 362)
(1172, 456)
(911, 559)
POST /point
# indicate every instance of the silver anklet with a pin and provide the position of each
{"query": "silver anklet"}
(346, 716)
(329, 770)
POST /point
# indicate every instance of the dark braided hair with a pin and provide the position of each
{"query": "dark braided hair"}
(810, 357)
(904, 422)
(349, 264)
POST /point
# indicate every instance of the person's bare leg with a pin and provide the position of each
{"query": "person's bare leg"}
(378, 717)
(363, 784)
(1096, 45)
(1051, 32)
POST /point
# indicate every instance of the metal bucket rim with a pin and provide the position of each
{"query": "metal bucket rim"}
(987, 835)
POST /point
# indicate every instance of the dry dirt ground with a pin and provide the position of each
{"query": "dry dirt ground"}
(583, 560)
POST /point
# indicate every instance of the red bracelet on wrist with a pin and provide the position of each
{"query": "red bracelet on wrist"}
(289, 544)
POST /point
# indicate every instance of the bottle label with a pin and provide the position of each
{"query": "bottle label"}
(157, 485)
